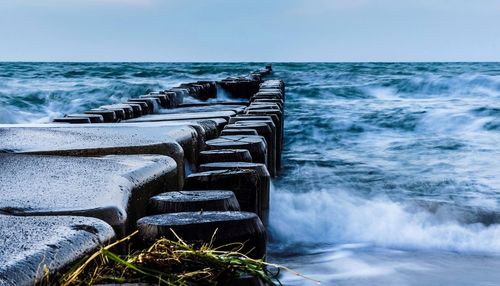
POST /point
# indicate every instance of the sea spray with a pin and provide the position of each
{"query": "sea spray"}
(337, 217)
(38, 92)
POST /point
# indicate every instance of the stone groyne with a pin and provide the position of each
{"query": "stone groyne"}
(158, 162)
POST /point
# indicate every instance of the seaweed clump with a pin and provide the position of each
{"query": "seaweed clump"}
(169, 262)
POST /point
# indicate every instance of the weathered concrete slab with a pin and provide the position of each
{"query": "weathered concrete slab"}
(265, 131)
(145, 108)
(154, 104)
(185, 132)
(204, 108)
(229, 227)
(239, 131)
(277, 93)
(225, 155)
(219, 123)
(243, 182)
(107, 115)
(137, 108)
(268, 112)
(184, 116)
(264, 101)
(94, 118)
(102, 139)
(209, 128)
(215, 102)
(263, 185)
(263, 118)
(128, 110)
(206, 129)
(274, 123)
(119, 113)
(263, 106)
(163, 98)
(273, 83)
(29, 243)
(168, 99)
(115, 189)
(256, 145)
(193, 201)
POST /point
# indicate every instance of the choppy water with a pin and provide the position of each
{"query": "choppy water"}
(37, 92)
(390, 170)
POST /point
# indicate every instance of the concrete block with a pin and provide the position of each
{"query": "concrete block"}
(163, 98)
(94, 118)
(153, 103)
(115, 189)
(256, 145)
(103, 139)
(119, 112)
(275, 83)
(263, 106)
(192, 108)
(238, 131)
(107, 115)
(127, 109)
(264, 182)
(144, 106)
(185, 116)
(263, 101)
(264, 130)
(193, 201)
(243, 182)
(137, 109)
(261, 112)
(206, 129)
(274, 123)
(225, 155)
(29, 243)
(231, 227)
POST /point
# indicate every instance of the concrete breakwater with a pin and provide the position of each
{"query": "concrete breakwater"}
(154, 163)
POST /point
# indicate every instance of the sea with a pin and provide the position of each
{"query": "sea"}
(391, 171)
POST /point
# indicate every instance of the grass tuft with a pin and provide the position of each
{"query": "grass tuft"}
(169, 262)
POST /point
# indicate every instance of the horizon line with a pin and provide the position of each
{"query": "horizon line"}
(247, 62)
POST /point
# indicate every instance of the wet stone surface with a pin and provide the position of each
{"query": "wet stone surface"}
(29, 243)
(191, 201)
(102, 139)
(256, 145)
(225, 155)
(243, 182)
(115, 189)
(206, 108)
(200, 226)
(263, 184)
(184, 116)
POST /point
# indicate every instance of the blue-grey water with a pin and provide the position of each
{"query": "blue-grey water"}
(391, 171)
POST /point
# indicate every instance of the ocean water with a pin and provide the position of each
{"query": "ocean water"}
(390, 171)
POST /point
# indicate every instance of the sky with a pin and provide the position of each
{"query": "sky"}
(257, 30)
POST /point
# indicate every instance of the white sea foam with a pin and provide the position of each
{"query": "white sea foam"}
(337, 216)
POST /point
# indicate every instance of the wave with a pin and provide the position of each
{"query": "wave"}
(37, 92)
(338, 217)
(35, 105)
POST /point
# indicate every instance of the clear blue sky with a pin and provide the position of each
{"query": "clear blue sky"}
(257, 30)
